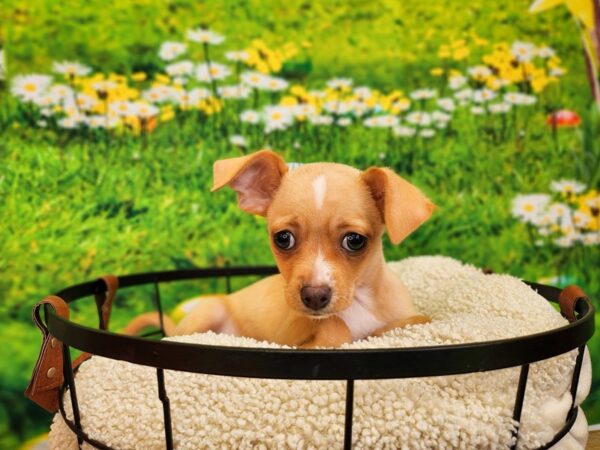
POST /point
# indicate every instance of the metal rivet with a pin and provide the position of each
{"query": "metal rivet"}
(51, 372)
(53, 342)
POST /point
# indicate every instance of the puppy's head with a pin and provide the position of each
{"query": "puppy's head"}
(325, 222)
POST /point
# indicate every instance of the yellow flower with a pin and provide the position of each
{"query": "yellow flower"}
(139, 76)
(444, 52)
(460, 53)
(437, 72)
(162, 79)
(167, 114)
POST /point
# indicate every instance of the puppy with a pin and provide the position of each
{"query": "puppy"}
(325, 223)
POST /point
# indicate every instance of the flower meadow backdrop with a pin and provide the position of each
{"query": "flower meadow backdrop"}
(112, 113)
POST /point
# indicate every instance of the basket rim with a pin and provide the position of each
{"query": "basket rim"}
(318, 364)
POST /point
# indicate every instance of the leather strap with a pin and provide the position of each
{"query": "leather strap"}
(104, 301)
(47, 375)
(568, 299)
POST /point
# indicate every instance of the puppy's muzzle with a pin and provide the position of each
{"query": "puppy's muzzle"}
(315, 297)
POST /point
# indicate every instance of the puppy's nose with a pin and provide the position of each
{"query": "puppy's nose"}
(315, 297)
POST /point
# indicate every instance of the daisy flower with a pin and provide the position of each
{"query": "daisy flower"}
(363, 92)
(339, 83)
(567, 187)
(304, 110)
(238, 141)
(158, 94)
(557, 72)
(439, 116)
(477, 110)
(250, 116)
(499, 108)
(580, 219)
(447, 104)
(479, 72)
(198, 94)
(344, 122)
(483, 95)
(277, 118)
(402, 131)
(464, 95)
(237, 56)
(590, 238)
(206, 72)
(427, 133)
(179, 69)
(523, 51)
(144, 110)
(71, 69)
(170, 50)
(527, 207)
(69, 122)
(122, 108)
(423, 94)
(419, 118)
(275, 84)
(29, 87)
(456, 82)
(203, 36)
(320, 119)
(568, 240)
(62, 91)
(545, 52)
(516, 98)
(235, 91)
(255, 80)
(387, 121)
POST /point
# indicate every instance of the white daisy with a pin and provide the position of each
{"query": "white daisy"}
(86, 102)
(214, 71)
(277, 118)
(439, 116)
(303, 110)
(479, 72)
(477, 110)
(527, 207)
(567, 187)
(320, 119)
(387, 121)
(339, 83)
(402, 131)
(69, 122)
(99, 121)
(499, 108)
(170, 50)
(255, 80)
(158, 93)
(456, 82)
(590, 238)
(363, 92)
(523, 51)
(237, 56)
(203, 36)
(104, 85)
(275, 84)
(144, 110)
(464, 95)
(580, 219)
(344, 122)
(568, 240)
(197, 94)
(447, 104)
(423, 94)
(483, 95)
(517, 98)
(29, 87)
(62, 91)
(250, 116)
(122, 108)
(427, 133)
(235, 91)
(71, 69)
(557, 72)
(238, 141)
(545, 52)
(419, 118)
(179, 69)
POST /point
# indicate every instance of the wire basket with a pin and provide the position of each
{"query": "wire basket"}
(60, 334)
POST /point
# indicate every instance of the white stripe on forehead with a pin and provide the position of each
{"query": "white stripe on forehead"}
(320, 187)
(321, 275)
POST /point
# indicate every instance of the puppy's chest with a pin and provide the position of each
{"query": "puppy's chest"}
(359, 316)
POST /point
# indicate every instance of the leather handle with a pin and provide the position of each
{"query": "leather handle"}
(568, 299)
(47, 377)
(104, 299)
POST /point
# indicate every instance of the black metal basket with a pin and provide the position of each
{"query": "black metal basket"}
(348, 365)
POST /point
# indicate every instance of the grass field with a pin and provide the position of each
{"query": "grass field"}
(79, 202)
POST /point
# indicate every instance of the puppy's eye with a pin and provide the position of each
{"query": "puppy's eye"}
(284, 240)
(354, 242)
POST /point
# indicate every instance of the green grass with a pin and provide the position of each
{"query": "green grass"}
(76, 207)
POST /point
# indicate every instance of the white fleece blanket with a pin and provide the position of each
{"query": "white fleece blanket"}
(119, 404)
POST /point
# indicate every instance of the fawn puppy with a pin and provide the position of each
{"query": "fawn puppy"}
(325, 223)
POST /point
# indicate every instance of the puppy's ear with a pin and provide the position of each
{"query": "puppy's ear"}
(403, 207)
(254, 177)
